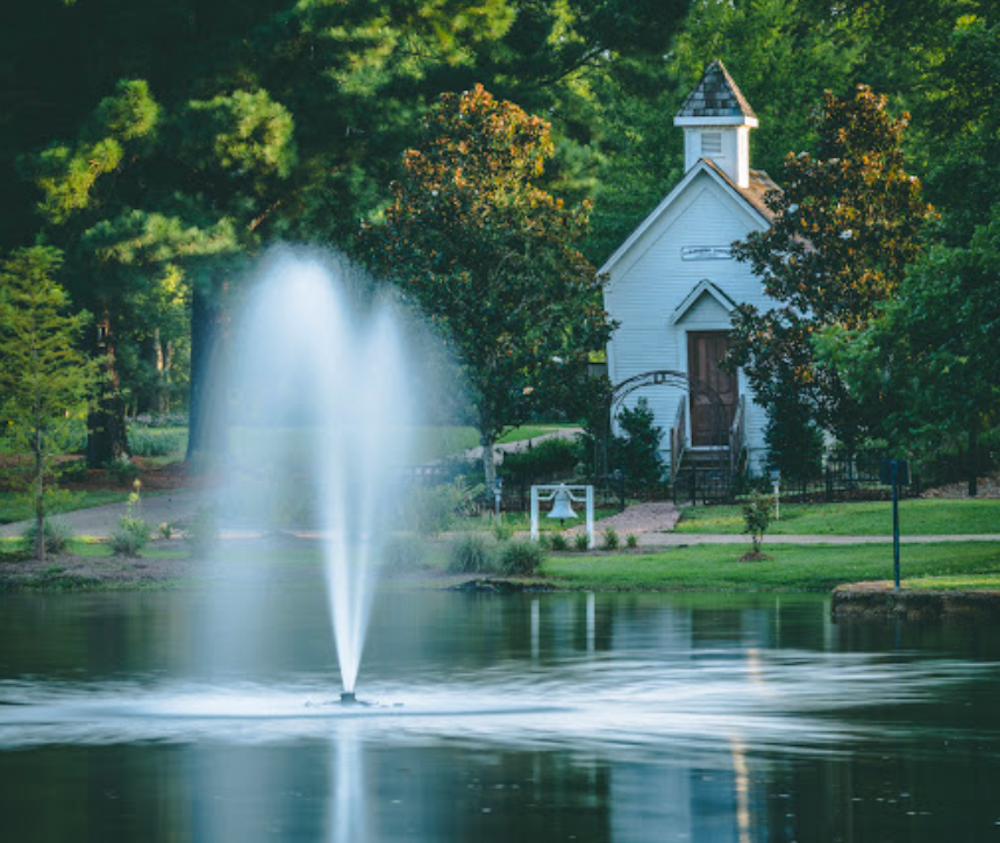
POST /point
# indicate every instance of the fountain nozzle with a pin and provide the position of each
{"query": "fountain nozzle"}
(348, 697)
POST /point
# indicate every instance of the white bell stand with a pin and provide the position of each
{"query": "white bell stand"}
(547, 493)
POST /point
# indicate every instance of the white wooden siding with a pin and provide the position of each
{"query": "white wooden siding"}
(650, 280)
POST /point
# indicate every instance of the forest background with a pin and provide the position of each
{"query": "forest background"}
(162, 145)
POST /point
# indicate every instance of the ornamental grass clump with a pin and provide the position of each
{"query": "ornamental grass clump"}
(520, 558)
(471, 554)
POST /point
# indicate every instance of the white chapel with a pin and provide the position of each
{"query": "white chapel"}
(673, 285)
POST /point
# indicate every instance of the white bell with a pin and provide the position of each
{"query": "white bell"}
(561, 507)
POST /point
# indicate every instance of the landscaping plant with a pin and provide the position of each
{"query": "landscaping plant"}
(757, 516)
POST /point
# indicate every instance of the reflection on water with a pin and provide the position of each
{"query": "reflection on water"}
(603, 718)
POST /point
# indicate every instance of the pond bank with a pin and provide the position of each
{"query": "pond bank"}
(881, 600)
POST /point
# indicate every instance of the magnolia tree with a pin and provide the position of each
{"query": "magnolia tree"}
(846, 226)
(491, 259)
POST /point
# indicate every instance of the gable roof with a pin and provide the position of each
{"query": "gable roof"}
(752, 196)
(702, 288)
(716, 95)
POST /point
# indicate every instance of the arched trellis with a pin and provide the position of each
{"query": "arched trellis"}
(664, 377)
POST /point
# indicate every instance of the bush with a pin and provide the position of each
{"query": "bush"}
(631, 541)
(581, 542)
(638, 451)
(520, 558)
(122, 471)
(145, 442)
(757, 516)
(502, 531)
(57, 536)
(74, 471)
(133, 533)
(559, 543)
(547, 460)
(471, 554)
(610, 537)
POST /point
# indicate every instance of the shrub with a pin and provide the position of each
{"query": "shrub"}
(122, 471)
(520, 558)
(610, 539)
(581, 542)
(757, 517)
(559, 542)
(133, 533)
(73, 471)
(631, 541)
(471, 554)
(639, 450)
(502, 531)
(57, 536)
(147, 443)
(548, 459)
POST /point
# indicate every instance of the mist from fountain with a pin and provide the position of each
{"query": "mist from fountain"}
(321, 384)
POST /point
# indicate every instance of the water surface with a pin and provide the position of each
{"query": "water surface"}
(213, 716)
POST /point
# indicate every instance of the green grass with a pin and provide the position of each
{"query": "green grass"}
(868, 518)
(14, 506)
(791, 568)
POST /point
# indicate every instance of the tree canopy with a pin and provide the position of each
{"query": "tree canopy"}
(490, 257)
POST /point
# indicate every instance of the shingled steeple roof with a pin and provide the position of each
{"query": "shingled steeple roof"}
(716, 95)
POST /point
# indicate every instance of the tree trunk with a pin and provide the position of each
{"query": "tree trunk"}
(107, 436)
(207, 403)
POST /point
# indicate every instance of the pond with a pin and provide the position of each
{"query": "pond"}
(214, 716)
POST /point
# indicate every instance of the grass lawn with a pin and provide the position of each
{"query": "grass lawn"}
(868, 518)
(791, 568)
(521, 521)
(14, 506)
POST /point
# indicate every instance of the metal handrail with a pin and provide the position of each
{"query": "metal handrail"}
(678, 439)
(737, 437)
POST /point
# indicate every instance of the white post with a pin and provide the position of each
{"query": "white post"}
(590, 518)
(534, 513)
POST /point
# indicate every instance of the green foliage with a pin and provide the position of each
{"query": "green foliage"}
(846, 226)
(44, 380)
(490, 257)
(548, 460)
(429, 510)
(156, 443)
(520, 558)
(631, 541)
(610, 539)
(133, 533)
(122, 471)
(794, 443)
(757, 518)
(638, 450)
(57, 535)
(471, 553)
(502, 530)
(558, 542)
(581, 543)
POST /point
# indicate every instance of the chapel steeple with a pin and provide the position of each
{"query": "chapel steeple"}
(717, 120)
